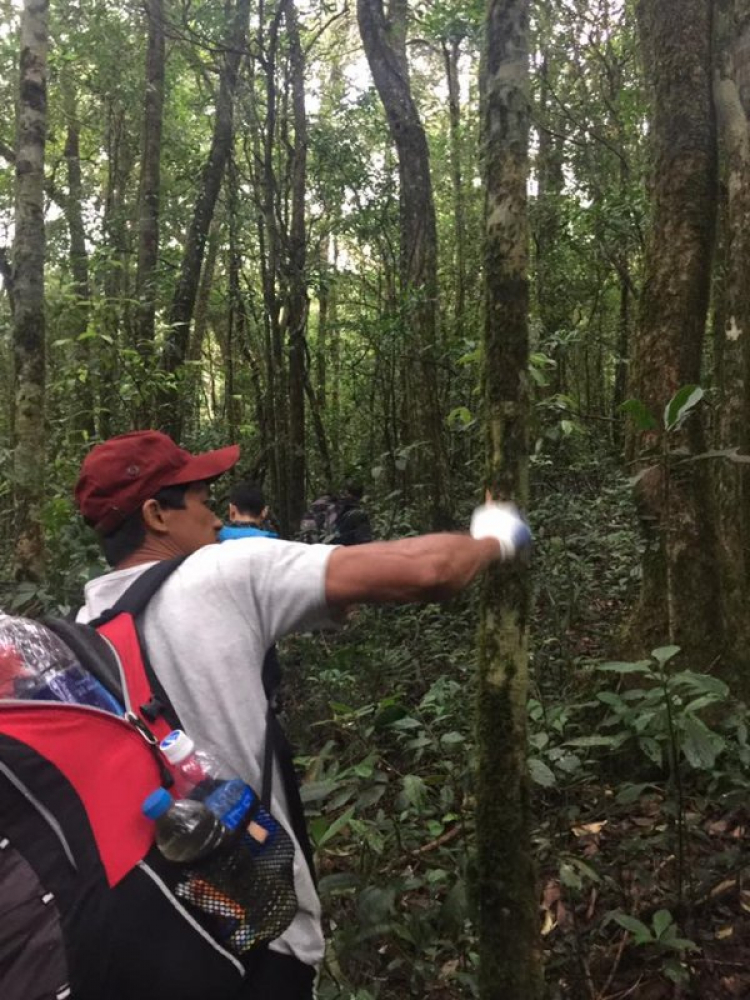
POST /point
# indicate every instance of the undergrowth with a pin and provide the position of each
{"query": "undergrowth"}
(639, 771)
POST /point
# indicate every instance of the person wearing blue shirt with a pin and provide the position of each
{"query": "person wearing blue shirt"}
(247, 514)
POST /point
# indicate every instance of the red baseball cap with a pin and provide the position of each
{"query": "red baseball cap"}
(120, 474)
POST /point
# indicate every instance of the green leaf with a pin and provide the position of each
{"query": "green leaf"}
(641, 933)
(639, 667)
(450, 739)
(664, 654)
(594, 741)
(680, 405)
(639, 413)
(570, 877)
(540, 773)
(630, 793)
(660, 921)
(316, 791)
(700, 745)
(338, 824)
(459, 418)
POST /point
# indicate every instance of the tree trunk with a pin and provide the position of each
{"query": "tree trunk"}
(383, 39)
(681, 595)
(732, 33)
(183, 302)
(150, 184)
(297, 302)
(28, 290)
(508, 927)
(84, 418)
(198, 333)
(451, 53)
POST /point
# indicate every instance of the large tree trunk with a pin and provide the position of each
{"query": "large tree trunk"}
(297, 302)
(383, 38)
(183, 302)
(509, 947)
(150, 185)
(681, 594)
(28, 290)
(732, 98)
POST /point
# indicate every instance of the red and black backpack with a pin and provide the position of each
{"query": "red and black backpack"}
(89, 909)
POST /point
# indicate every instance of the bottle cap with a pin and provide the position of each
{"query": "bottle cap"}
(177, 746)
(157, 803)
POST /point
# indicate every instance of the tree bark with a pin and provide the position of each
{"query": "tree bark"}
(183, 301)
(28, 288)
(84, 418)
(297, 301)
(509, 946)
(150, 183)
(383, 38)
(451, 53)
(681, 594)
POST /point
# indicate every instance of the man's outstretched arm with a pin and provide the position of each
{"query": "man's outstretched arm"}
(425, 568)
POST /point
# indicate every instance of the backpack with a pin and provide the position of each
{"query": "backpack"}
(335, 521)
(318, 524)
(89, 908)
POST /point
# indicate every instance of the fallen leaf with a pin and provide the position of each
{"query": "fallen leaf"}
(595, 828)
(724, 932)
(726, 886)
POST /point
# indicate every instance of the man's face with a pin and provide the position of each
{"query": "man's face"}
(194, 526)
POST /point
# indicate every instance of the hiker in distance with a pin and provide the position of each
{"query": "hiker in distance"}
(210, 624)
(248, 514)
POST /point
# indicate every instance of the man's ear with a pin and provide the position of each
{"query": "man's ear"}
(153, 517)
(232, 512)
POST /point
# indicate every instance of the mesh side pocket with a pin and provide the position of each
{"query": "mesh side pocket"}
(245, 891)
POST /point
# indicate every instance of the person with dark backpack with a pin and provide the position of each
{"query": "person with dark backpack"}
(205, 626)
(352, 524)
(337, 520)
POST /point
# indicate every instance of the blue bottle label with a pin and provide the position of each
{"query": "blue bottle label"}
(231, 802)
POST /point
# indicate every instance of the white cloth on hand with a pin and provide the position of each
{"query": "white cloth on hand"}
(503, 522)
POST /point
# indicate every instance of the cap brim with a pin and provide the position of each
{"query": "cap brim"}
(209, 465)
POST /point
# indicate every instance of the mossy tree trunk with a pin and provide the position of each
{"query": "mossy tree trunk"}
(28, 291)
(509, 944)
(681, 598)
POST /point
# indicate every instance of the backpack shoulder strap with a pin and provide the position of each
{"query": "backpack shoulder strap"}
(121, 626)
(140, 592)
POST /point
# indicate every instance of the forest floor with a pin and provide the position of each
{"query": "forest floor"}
(640, 775)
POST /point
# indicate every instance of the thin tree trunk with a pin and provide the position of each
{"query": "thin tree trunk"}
(28, 288)
(508, 926)
(84, 422)
(183, 302)
(451, 53)
(383, 39)
(150, 184)
(297, 304)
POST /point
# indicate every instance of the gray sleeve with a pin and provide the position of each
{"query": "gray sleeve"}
(279, 586)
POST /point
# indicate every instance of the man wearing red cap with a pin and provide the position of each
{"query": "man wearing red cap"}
(209, 626)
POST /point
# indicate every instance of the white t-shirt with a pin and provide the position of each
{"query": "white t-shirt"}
(207, 631)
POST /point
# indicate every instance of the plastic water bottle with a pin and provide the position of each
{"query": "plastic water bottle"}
(36, 664)
(202, 775)
(185, 830)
